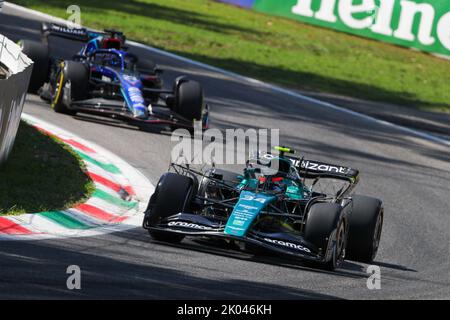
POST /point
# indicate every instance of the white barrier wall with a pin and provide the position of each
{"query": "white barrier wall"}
(13, 90)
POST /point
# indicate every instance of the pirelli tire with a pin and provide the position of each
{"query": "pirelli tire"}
(229, 178)
(146, 66)
(151, 79)
(39, 53)
(189, 100)
(325, 222)
(71, 84)
(172, 195)
(366, 224)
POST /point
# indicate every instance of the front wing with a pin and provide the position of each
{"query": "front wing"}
(115, 109)
(280, 243)
(105, 109)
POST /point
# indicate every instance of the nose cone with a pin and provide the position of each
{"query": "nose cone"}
(136, 99)
(140, 112)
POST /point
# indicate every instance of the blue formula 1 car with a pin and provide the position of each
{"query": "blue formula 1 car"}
(274, 206)
(105, 79)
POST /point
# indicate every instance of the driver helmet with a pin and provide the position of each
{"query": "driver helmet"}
(271, 170)
(113, 60)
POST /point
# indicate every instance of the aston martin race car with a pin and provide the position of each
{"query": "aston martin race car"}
(105, 79)
(273, 206)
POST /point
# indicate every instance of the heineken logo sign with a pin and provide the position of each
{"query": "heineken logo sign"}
(410, 22)
(421, 24)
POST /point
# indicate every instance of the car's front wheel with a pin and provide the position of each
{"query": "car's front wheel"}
(172, 195)
(71, 84)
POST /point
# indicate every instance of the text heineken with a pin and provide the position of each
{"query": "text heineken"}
(422, 24)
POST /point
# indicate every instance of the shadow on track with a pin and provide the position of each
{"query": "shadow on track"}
(307, 81)
(349, 270)
(107, 121)
(38, 270)
(393, 266)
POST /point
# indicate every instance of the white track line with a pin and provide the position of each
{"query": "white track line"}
(252, 81)
(294, 94)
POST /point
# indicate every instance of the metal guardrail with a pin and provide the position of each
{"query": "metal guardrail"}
(13, 89)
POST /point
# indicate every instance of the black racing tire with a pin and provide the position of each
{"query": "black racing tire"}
(189, 100)
(321, 221)
(172, 195)
(366, 224)
(150, 78)
(39, 53)
(146, 66)
(78, 75)
(229, 177)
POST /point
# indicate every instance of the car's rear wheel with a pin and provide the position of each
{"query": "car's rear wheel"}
(229, 178)
(366, 224)
(39, 53)
(189, 100)
(146, 66)
(150, 76)
(172, 195)
(71, 84)
(325, 223)
(218, 190)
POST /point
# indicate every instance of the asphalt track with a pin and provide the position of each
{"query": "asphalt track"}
(410, 174)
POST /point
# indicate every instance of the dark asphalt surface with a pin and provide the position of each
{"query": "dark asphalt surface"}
(411, 175)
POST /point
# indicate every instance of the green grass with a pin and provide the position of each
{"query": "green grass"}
(273, 49)
(41, 174)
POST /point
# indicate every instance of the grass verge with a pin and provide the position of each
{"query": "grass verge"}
(273, 49)
(41, 174)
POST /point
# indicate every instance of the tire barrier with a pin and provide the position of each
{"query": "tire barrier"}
(15, 73)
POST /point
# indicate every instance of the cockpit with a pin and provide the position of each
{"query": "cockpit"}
(115, 59)
(274, 174)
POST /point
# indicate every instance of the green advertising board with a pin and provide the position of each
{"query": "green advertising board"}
(421, 24)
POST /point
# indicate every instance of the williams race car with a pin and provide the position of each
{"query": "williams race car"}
(274, 206)
(104, 78)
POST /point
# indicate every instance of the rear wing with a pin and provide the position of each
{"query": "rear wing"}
(77, 34)
(314, 169)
